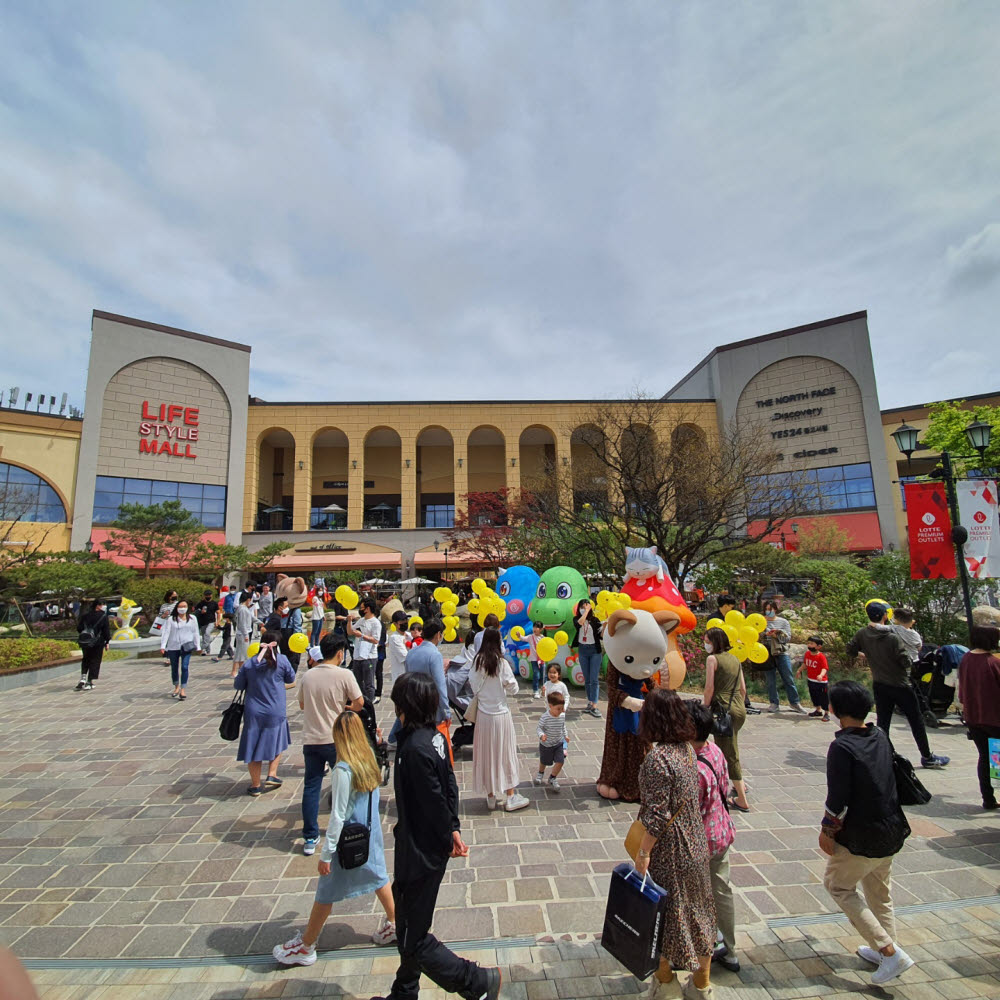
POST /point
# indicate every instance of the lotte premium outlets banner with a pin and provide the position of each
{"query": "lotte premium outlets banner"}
(932, 554)
(978, 512)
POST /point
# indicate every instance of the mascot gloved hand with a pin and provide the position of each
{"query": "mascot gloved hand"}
(637, 644)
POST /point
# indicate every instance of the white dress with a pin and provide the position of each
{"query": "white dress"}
(494, 743)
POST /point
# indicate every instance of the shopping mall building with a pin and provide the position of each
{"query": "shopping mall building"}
(371, 485)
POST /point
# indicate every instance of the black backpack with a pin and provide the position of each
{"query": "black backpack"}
(88, 637)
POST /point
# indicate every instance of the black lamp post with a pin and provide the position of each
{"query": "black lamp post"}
(978, 433)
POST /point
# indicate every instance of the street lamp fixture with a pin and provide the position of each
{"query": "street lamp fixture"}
(89, 545)
(978, 433)
(905, 437)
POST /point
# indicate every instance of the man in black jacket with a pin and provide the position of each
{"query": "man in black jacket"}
(863, 827)
(427, 835)
(890, 666)
(95, 634)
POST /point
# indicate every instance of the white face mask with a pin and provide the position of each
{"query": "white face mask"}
(709, 648)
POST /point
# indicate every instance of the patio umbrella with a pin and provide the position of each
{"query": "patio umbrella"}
(382, 507)
(417, 581)
(275, 510)
(333, 508)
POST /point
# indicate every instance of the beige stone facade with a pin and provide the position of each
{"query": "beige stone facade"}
(176, 412)
(811, 409)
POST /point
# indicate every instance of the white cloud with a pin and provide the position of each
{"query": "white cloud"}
(548, 200)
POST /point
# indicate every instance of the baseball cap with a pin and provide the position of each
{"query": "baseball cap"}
(315, 653)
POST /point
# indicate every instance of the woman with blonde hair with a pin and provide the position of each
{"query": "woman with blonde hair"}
(355, 784)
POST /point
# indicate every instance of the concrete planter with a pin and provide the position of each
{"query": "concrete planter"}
(38, 672)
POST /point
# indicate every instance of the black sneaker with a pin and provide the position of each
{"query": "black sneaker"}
(722, 957)
(491, 989)
(81, 685)
(89, 686)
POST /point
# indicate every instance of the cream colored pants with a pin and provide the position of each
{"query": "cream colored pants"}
(871, 916)
(722, 890)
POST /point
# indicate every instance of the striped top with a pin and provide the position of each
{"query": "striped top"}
(554, 729)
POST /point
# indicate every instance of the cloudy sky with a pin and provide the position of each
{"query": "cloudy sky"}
(503, 199)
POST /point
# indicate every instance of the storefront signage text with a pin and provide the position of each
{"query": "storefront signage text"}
(172, 424)
(796, 397)
(327, 547)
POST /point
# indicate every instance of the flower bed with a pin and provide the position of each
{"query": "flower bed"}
(17, 653)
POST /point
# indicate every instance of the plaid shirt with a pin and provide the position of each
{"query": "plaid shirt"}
(718, 823)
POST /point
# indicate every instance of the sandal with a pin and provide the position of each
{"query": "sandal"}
(182, 697)
(272, 779)
(254, 790)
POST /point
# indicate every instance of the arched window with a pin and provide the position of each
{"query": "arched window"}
(27, 497)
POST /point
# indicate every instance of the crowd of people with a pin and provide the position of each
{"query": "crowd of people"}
(689, 782)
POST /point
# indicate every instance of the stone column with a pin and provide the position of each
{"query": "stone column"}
(460, 473)
(302, 478)
(356, 481)
(252, 485)
(564, 470)
(512, 462)
(408, 481)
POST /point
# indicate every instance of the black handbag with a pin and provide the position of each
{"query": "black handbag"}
(232, 719)
(352, 848)
(909, 787)
(188, 648)
(635, 921)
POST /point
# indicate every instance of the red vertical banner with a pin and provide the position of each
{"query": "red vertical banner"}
(932, 554)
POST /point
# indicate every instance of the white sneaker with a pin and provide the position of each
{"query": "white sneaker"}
(773, 707)
(692, 992)
(797, 707)
(554, 784)
(538, 694)
(664, 991)
(515, 802)
(386, 933)
(309, 846)
(537, 779)
(869, 955)
(891, 966)
(294, 952)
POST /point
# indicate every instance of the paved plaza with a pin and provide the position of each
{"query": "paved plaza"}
(132, 862)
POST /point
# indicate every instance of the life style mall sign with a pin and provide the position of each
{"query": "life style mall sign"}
(167, 430)
(932, 552)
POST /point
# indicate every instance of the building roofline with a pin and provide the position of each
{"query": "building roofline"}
(257, 401)
(956, 399)
(173, 330)
(40, 414)
(763, 338)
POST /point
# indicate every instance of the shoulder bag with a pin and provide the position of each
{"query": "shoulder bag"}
(637, 831)
(723, 724)
(232, 719)
(352, 848)
(909, 787)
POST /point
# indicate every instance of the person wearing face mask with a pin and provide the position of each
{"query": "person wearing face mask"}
(777, 636)
(180, 638)
(265, 735)
(725, 689)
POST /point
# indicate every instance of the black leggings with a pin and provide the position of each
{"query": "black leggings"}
(888, 697)
(91, 663)
(980, 735)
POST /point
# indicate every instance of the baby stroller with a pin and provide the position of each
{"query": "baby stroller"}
(933, 677)
(379, 746)
(459, 698)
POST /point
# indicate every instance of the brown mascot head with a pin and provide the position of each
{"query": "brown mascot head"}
(292, 587)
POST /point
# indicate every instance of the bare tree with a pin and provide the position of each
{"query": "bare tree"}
(20, 538)
(645, 473)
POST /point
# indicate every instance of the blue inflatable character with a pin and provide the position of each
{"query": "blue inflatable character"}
(516, 586)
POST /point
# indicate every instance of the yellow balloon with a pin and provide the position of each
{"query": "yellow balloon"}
(546, 649)
(602, 596)
(479, 585)
(253, 649)
(926, 679)
(298, 643)
(735, 618)
(740, 653)
(350, 600)
(517, 633)
(731, 634)
(448, 608)
(748, 636)
(341, 592)
(758, 653)
(441, 593)
(415, 620)
(624, 601)
(474, 606)
(501, 615)
(481, 617)
(450, 635)
(757, 621)
(561, 638)
(714, 623)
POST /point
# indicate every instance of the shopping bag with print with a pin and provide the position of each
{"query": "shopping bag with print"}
(634, 921)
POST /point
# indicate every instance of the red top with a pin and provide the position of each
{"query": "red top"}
(816, 666)
(979, 689)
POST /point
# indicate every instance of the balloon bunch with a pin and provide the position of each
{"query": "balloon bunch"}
(486, 602)
(743, 634)
(547, 646)
(607, 602)
(448, 600)
(346, 597)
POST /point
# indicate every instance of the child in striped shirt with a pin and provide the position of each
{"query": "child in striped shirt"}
(552, 739)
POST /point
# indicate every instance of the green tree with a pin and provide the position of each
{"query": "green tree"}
(749, 571)
(946, 432)
(66, 575)
(153, 533)
(256, 562)
(840, 589)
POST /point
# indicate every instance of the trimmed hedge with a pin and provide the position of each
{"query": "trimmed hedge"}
(26, 652)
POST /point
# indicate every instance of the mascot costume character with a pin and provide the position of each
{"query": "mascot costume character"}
(557, 595)
(516, 587)
(642, 652)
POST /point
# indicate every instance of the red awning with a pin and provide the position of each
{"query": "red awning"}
(862, 530)
(99, 537)
(336, 560)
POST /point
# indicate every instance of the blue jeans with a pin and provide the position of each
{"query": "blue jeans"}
(590, 665)
(316, 755)
(177, 658)
(784, 667)
(536, 667)
(391, 738)
(317, 627)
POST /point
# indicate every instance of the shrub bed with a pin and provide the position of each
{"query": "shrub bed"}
(27, 652)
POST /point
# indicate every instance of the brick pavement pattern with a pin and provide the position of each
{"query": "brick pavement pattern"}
(126, 833)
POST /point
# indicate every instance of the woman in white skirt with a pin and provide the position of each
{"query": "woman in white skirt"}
(494, 744)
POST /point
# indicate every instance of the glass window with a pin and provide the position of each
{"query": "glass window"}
(139, 498)
(861, 500)
(189, 490)
(439, 515)
(213, 506)
(214, 520)
(112, 483)
(215, 492)
(859, 486)
(111, 492)
(164, 491)
(105, 515)
(140, 486)
(27, 497)
(859, 471)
